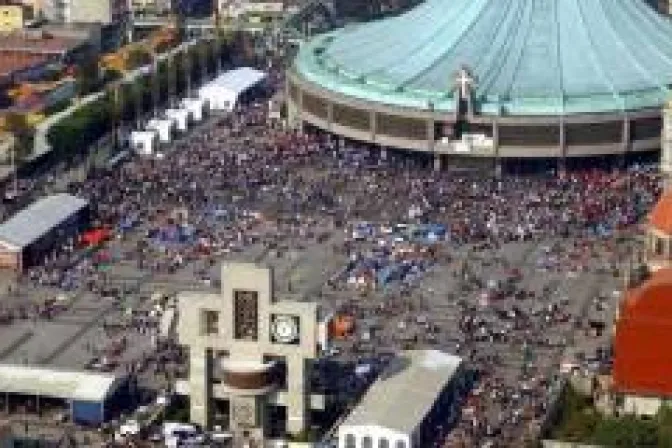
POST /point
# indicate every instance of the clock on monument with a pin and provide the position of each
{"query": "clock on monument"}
(285, 329)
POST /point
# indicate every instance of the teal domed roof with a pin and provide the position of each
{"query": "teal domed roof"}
(527, 57)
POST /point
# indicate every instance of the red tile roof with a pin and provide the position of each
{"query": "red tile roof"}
(642, 361)
(661, 215)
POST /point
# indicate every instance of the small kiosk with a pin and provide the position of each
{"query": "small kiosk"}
(164, 128)
(143, 142)
(197, 108)
(181, 117)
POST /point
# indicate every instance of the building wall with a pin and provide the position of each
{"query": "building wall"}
(88, 412)
(10, 259)
(205, 341)
(577, 135)
(12, 17)
(105, 12)
(647, 406)
(151, 6)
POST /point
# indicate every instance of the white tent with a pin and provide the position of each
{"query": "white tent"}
(223, 92)
(143, 142)
(196, 108)
(163, 127)
(180, 117)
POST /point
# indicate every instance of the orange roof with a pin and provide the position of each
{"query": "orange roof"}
(661, 215)
(642, 364)
(653, 298)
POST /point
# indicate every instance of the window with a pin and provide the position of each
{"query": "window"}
(245, 313)
(400, 444)
(350, 441)
(367, 442)
(383, 443)
(209, 322)
(657, 246)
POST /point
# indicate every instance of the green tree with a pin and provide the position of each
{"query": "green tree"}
(23, 132)
(88, 73)
(138, 57)
(628, 431)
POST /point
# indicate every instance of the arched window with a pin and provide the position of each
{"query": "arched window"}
(367, 442)
(383, 443)
(350, 441)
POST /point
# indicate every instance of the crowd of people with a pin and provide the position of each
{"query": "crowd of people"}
(239, 182)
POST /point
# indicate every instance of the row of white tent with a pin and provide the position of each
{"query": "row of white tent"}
(162, 130)
(220, 94)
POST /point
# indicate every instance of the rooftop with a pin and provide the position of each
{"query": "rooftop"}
(69, 385)
(20, 62)
(642, 365)
(37, 219)
(37, 43)
(660, 217)
(414, 380)
(542, 57)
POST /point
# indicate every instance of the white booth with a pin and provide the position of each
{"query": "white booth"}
(163, 127)
(196, 107)
(143, 142)
(180, 117)
(223, 92)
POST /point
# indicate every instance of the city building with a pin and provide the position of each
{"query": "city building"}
(30, 234)
(659, 234)
(457, 78)
(88, 398)
(25, 55)
(249, 355)
(155, 7)
(13, 16)
(642, 373)
(253, 10)
(419, 391)
(105, 12)
(662, 6)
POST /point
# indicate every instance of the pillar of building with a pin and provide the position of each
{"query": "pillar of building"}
(431, 134)
(625, 139)
(666, 145)
(373, 125)
(437, 162)
(246, 417)
(495, 148)
(297, 402)
(200, 386)
(330, 115)
(562, 147)
(294, 108)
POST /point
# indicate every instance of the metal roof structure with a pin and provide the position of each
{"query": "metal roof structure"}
(405, 393)
(237, 80)
(40, 217)
(527, 57)
(67, 385)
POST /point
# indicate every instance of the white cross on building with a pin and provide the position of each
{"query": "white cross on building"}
(464, 81)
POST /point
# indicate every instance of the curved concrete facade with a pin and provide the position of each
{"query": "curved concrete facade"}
(534, 136)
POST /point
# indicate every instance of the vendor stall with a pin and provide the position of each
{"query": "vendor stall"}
(197, 108)
(143, 142)
(180, 117)
(164, 128)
